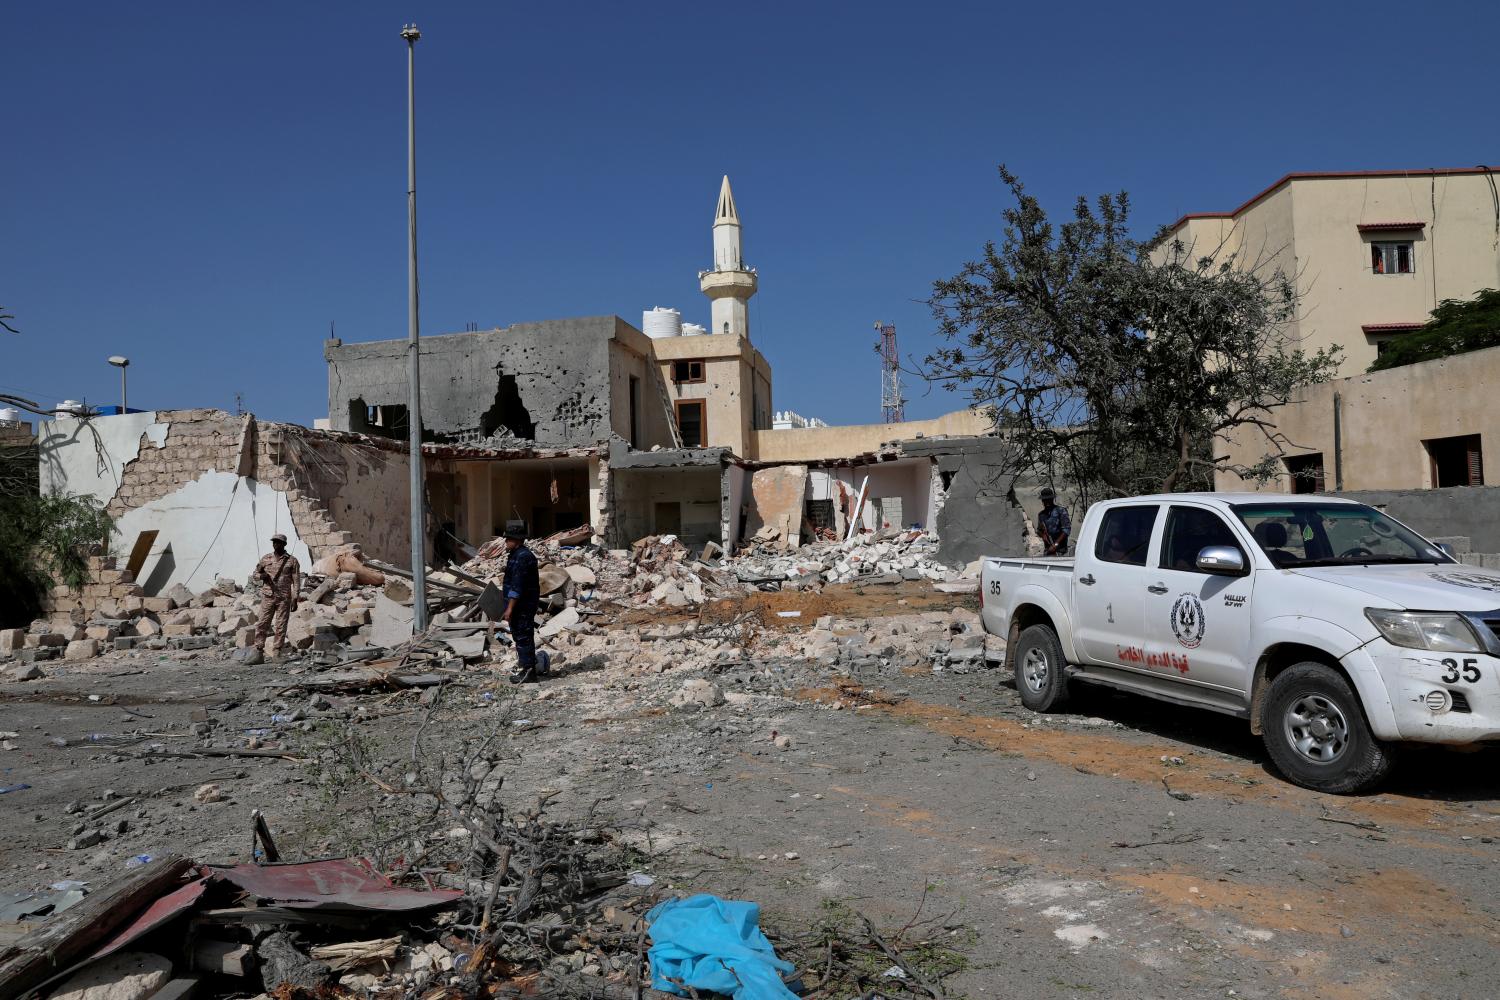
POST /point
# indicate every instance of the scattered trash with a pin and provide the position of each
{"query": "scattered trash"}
(641, 879)
(13, 788)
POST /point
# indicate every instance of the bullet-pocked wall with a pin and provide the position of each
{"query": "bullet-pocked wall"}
(550, 384)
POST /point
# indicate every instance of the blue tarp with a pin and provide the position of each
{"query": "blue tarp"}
(715, 944)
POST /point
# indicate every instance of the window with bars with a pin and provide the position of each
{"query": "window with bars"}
(1391, 257)
(1456, 461)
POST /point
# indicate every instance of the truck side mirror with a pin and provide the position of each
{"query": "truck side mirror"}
(1222, 560)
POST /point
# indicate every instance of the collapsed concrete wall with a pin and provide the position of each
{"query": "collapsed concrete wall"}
(977, 515)
(214, 487)
(546, 383)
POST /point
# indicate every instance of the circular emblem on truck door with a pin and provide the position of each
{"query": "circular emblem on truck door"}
(1187, 620)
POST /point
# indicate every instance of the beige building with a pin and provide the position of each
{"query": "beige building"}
(1421, 426)
(1372, 252)
(719, 386)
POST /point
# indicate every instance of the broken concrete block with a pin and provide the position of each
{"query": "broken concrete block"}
(180, 595)
(231, 625)
(49, 639)
(157, 605)
(127, 975)
(224, 585)
(566, 618)
(208, 793)
(390, 622)
(552, 577)
(245, 637)
(697, 694)
(176, 629)
(26, 672)
(146, 627)
(86, 839)
(582, 575)
(101, 633)
(11, 640)
(82, 649)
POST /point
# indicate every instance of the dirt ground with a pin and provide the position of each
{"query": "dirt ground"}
(1127, 848)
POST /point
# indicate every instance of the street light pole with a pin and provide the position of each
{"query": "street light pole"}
(121, 363)
(413, 348)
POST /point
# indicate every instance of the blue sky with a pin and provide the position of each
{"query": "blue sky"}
(205, 187)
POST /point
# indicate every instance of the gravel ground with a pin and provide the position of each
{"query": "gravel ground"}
(1126, 848)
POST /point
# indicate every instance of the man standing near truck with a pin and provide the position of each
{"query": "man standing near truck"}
(1053, 524)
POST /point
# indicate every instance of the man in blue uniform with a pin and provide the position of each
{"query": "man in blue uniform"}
(1053, 524)
(522, 593)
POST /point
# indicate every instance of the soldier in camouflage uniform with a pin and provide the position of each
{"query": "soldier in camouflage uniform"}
(280, 578)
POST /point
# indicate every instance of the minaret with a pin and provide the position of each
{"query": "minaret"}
(730, 284)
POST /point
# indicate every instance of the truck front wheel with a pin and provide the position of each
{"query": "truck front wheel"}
(1316, 733)
(1040, 666)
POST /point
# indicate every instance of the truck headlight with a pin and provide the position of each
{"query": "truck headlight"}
(1439, 632)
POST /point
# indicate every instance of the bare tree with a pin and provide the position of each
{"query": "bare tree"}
(1108, 371)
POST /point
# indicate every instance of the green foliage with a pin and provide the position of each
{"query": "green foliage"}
(1455, 328)
(1108, 370)
(43, 538)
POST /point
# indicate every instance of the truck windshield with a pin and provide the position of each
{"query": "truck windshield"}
(1297, 535)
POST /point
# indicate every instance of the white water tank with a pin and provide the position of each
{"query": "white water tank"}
(692, 330)
(10, 415)
(71, 406)
(661, 322)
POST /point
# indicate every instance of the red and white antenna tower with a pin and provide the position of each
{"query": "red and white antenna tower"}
(892, 403)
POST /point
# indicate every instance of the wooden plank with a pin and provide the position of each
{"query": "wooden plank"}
(62, 940)
(138, 553)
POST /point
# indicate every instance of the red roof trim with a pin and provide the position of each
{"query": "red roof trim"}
(1336, 174)
(1391, 327)
(1382, 227)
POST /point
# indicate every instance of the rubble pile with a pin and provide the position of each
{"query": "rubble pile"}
(882, 557)
(332, 613)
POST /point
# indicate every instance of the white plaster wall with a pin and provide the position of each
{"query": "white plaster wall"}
(70, 462)
(218, 525)
(909, 479)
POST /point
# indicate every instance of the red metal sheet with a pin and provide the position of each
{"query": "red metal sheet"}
(342, 884)
(168, 907)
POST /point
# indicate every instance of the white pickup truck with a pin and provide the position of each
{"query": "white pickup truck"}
(1334, 629)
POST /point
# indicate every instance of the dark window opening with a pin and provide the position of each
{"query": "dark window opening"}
(1306, 472)
(947, 478)
(1189, 531)
(1456, 461)
(1125, 535)
(691, 423)
(819, 513)
(635, 412)
(380, 421)
(1391, 258)
(508, 412)
(687, 371)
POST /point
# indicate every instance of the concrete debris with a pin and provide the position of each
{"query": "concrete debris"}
(124, 976)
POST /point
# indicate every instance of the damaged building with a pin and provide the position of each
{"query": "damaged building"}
(557, 424)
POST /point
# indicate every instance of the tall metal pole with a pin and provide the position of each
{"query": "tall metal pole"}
(124, 400)
(413, 348)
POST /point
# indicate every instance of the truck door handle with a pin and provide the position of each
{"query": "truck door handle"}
(1087, 581)
(1158, 588)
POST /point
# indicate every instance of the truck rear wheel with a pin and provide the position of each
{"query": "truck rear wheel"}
(1040, 669)
(1316, 733)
